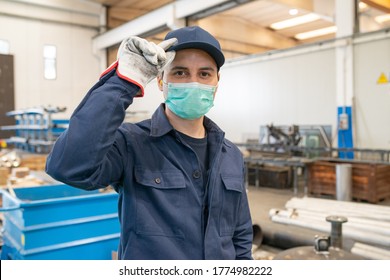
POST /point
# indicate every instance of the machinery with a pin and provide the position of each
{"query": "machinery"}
(35, 128)
(294, 140)
(279, 138)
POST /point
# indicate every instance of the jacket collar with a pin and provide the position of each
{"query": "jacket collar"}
(160, 124)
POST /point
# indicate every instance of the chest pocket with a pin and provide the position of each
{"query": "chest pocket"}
(159, 202)
(231, 198)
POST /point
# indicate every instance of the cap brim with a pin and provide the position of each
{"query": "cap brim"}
(210, 49)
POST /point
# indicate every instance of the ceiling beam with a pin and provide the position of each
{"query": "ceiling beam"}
(236, 47)
(124, 13)
(223, 27)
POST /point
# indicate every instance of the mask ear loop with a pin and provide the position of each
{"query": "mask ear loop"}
(165, 89)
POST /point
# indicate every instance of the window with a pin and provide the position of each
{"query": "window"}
(4, 47)
(50, 58)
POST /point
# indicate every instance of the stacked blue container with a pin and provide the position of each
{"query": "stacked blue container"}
(59, 222)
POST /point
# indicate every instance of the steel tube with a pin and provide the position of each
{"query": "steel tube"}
(344, 182)
(344, 208)
(358, 235)
(336, 231)
(371, 252)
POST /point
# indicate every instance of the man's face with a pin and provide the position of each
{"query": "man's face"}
(191, 65)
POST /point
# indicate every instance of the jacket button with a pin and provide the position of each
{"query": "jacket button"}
(157, 180)
(196, 174)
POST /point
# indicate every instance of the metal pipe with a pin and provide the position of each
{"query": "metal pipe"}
(358, 235)
(366, 225)
(336, 232)
(257, 236)
(285, 238)
(344, 182)
(370, 252)
(344, 208)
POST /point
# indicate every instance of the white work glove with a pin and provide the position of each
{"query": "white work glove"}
(140, 61)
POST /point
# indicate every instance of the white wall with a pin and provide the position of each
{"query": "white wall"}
(372, 100)
(293, 90)
(77, 67)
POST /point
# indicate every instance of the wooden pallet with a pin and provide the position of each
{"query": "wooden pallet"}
(370, 181)
(34, 162)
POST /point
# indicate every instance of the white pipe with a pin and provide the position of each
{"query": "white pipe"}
(357, 223)
(341, 208)
(87, 17)
(370, 248)
(308, 201)
(85, 7)
(348, 204)
(367, 223)
(369, 254)
(280, 212)
(301, 222)
(372, 238)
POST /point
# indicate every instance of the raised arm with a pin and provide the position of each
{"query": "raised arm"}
(90, 153)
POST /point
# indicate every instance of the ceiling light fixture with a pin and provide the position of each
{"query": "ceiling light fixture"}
(362, 5)
(382, 18)
(316, 33)
(294, 21)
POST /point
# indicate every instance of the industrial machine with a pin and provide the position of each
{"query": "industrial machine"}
(302, 140)
(35, 129)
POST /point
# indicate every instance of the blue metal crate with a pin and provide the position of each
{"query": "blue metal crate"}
(59, 222)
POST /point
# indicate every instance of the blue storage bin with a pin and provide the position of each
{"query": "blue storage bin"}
(59, 222)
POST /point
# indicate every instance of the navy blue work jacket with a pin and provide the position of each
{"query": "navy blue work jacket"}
(157, 177)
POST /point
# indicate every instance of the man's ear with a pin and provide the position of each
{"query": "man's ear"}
(160, 82)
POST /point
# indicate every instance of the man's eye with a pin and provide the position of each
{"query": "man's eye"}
(179, 73)
(205, 74)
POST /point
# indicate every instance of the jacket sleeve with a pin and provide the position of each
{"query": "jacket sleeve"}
(89, 154)
(243, 235)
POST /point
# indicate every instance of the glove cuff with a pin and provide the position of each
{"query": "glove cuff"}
(141, 92)
(114, 65)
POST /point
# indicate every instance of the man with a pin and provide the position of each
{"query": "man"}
(180, 182)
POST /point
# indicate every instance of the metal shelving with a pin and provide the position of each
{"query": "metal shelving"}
(36, 130)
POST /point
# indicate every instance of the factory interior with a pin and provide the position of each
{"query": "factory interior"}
(304, 94)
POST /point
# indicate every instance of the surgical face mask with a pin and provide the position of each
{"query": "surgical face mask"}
(189, 100)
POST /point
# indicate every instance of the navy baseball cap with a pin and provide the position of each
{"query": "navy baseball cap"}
(194, 37)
